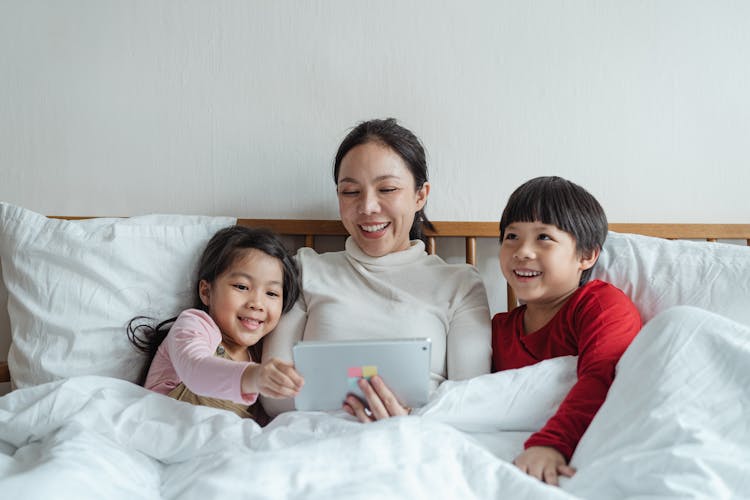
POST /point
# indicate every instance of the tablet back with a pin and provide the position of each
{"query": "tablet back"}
(332, 368)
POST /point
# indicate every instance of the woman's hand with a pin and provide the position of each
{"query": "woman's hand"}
(273, 378)
(544, 463)
(381, 403)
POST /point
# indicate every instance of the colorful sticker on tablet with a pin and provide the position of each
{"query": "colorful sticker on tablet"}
(357, 372)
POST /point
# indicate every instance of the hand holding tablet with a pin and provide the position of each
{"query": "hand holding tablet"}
(332, 370)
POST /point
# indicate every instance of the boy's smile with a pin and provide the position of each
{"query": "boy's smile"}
(523, 274)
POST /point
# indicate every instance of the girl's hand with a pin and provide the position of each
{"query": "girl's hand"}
(544, 463)
(381, 403)
(273, 378)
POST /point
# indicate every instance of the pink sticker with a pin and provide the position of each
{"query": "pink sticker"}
(355, 371)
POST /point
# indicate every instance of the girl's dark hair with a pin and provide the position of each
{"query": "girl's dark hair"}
(221, 252)
(401, 140)
(561, 203)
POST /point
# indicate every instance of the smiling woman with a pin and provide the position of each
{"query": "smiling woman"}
(378, 198)
(384, 284)
(381, 175)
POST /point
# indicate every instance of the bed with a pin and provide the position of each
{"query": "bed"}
(76, 426)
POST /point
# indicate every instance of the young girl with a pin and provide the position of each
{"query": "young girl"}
(210, 355)
(551, 234)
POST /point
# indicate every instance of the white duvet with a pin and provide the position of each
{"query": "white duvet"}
(674, 424)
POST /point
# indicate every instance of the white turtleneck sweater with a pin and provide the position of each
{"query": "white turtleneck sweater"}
(350, 296)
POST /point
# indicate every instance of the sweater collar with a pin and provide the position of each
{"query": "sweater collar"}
(395, 259)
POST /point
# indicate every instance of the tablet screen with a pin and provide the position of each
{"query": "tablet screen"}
(332, 368)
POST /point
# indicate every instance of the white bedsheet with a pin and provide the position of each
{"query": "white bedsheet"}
(676, 421)
(98, 437)
(674, 424)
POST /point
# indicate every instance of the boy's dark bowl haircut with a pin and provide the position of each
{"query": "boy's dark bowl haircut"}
(561, 203)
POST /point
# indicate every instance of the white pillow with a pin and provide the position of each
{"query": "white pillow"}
(657, 274)
(74, 285)
(520, 400)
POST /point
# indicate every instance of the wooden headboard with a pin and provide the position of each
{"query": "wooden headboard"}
(311, 230)
(472, 231)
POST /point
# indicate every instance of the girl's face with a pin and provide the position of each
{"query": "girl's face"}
(245, 300)
(541, 263)
(378, 198)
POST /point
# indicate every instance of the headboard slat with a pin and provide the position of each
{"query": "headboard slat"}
(4, 372)
(431, 245)
(512, 299)
(471, 250)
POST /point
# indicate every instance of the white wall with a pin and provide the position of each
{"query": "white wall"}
(237, 107)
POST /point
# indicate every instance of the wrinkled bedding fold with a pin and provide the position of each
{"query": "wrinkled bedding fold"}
(673, 424)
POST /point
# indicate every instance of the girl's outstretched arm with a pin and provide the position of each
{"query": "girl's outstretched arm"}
(278, 345)
(273, 378)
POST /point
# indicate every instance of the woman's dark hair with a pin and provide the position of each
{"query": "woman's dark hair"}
(561, 203)
(401, 140)
(221, 252)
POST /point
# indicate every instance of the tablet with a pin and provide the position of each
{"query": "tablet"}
(332, 368)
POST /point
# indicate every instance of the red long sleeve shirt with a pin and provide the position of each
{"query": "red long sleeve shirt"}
(597, 323)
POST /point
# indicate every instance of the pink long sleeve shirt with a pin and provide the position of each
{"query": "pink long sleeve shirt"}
(188, 355)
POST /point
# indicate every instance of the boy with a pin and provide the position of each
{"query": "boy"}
(551, 234)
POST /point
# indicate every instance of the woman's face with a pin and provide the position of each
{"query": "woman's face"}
(378, 198)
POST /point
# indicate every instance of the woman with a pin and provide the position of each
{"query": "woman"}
(384, 285)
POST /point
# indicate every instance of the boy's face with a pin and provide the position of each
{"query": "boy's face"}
(541, 263)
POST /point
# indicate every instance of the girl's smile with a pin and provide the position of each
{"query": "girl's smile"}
(251, 324)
